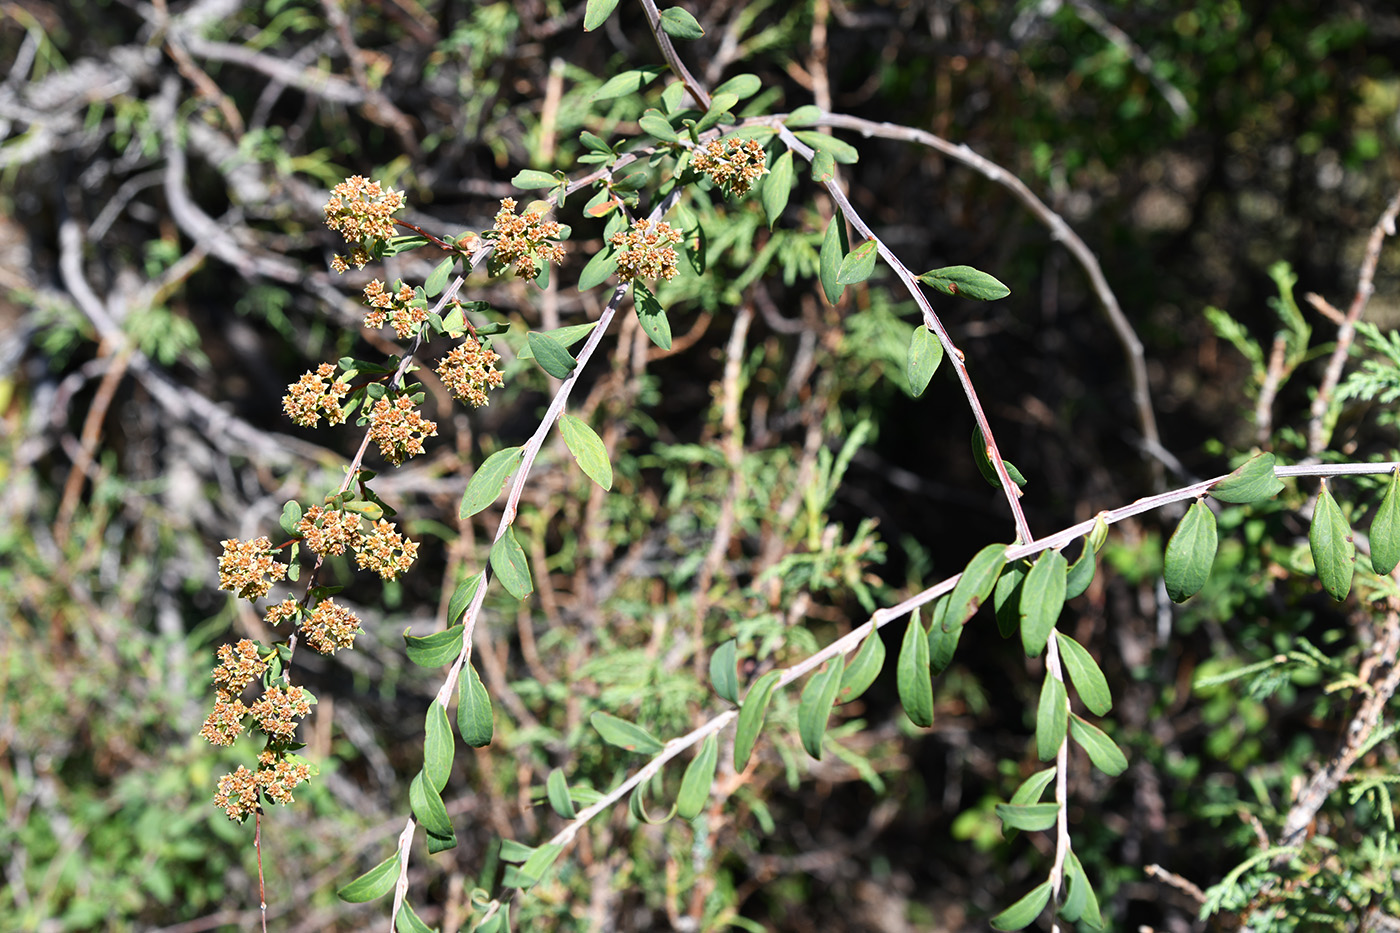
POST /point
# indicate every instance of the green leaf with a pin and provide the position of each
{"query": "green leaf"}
(1087, 901)
(776, 188)
(1385, 529)
(654, 123)
(858, 264)
(941, 642)
(912, 674)
(637, 804)
(814, 709)
(1051, 717)
(965, 282)
(427, 806)
(975, 585)
(629, 82)
(1007, 598)
(699, 776)
(1020, 914)
(624, 734)
(409, 922)
(1033, 817)
(679, 23)
(651, 316)
(375, 883)
(436, 649)
(841, 150)
(564, 336)
(1032, 787)
(537, 864)
(741, 86)
(515, 853)
(1081, 573)
(1190, 553)
(596, 13)
(461, 598)
(751, 718)
(599, 268)
(925, 353)
(984, 463)
(475, 721)
(438, 843)
(291, 517)
(805, 115)
(437, 746)
(557, 789)
(587, 448)
(499, 922)
(718, 112)
(1333, 551)
(489, 480)
(1253, 481)
(550, 355)
(833, 251)
(863, 669)
(1042, 598)
(724, 672)
(1105, 755)
(511, 567)
(695, 248)
(527, 180)
(1089, 681)
(823, 167)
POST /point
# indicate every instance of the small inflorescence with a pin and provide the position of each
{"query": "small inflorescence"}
(247, 568)
(398, 428)
(647, 251)
(314, 395)
(360, 209)
(469, 370)
(733, 164)
(521, 239)
(399, 309)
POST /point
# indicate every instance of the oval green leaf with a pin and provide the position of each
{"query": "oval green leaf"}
(1006, 598)
(511, 568)
(1051, 718)
(751, 718)
(1032, 787)
(527, 180)
(1385, 529)
(475, 721)
(596, 13)
(1032, 818)
(965, 282)
(679, 23)
(741, 86)
(588, 450)
(823, 167)
(832, 253)
(551, 355)
(557, 790)
(699, 776)
(376, 882)
(777, 186)
(489, 480)
(629, 82)
(426, 804)
(941, 643)
(814, 709)
(1042, 598)
(863, 669)
(537, 864)
(975, 585)
(912, 674)
(841, 150)
(436, 649)
(858, 265)
(724, 672)
(408, 921)
(1252, 482)
(1081, 573)
(1190, 553)
(599, 268)
(1020, 914)
(925, 353)
(1087, 901)
(1333, 551)
(651, 316)
(624, 734)
(637, 804)
(1089, 681)
(564, 336)
(656, 124)
(1105, 755)
(805, 115)
(462, 597)
(291, 517)
(437, 746)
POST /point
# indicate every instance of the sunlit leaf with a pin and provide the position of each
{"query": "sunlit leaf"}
(1089, 681)
(1333, 551)
(1190, 553)
(912, 674)
(965, 282)
(863, 669)
(1103, 752)
(1051, 718)
(751, 718)
(814, 709)
(925, 353)
(1252, 482)
(699, 776)
(587, 448)
(489, 480)
(1042, 598)
(510, 566)
(375, 883)
(1020, 914)
(475, 720)
(1385, 529)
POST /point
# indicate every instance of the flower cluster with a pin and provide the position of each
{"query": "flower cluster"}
(398, 429)
(279, 778)
(330, 531)
(647, 251)
(733, 164)
(238, 792)
(313, 395)
(330, 627)
(469, 369)
(520, 238)
(386, 552)
(239, 665)
(397, 309)
(360, 209)
(279, 709)
(247, 568)
(283, 611)
(225, 723)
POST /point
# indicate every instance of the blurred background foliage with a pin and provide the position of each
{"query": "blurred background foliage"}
(163, 277)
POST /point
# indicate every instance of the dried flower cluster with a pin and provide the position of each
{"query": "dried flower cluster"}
(521, 238)
(397, 309)
(386, 552)
(361, 209)
(469, 369)
(238, 792)
(247, 568)
(647, 251)
(330, 627)
(398, 428)
(733, 164)
(279, 710)
(314, 395)
(330, 531)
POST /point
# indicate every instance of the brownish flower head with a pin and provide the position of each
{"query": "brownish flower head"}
(469, 369)
(522, 238)
(398, 428)
(733, 164)
(279, 710)
(387, 552)
(647, 251)
(282, 612)
(239, 665)
(248, 568)
(397, 308)
(225, 723)
(359, 208)
(238, 794)
(277, 779)
(314, 395)
(329, 531)
(330, 627)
